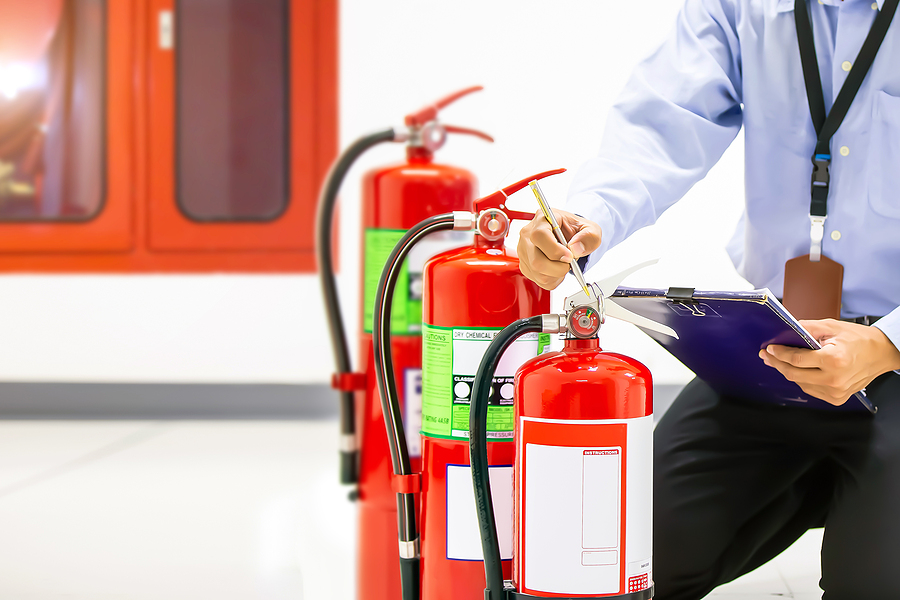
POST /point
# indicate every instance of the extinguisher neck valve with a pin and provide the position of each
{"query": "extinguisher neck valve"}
(401, 133)
(553, 323)
(463, 220)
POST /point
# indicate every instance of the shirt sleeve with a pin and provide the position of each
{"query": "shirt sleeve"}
(890, 326)
(676, 116)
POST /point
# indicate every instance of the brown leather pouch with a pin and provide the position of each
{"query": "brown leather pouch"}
(812, 290)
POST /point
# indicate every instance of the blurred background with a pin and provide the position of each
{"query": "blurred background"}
(168, 430)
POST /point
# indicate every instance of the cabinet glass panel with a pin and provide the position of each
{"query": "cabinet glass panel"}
(232, 101)
(52, 128)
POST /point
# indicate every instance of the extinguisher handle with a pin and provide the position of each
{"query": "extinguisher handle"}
(481, 389)
(467, 131)
(430, 112)
(498, 199)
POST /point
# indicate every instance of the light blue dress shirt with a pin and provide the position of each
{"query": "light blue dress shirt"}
(733, 63)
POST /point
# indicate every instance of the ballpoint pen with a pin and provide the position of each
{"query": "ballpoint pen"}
(551, 218)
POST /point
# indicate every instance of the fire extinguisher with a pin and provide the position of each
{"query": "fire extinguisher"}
(469, 294)
(584, 460)
(394, 198)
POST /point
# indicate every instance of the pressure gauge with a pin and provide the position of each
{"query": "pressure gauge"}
(584, 322)
(493, 224)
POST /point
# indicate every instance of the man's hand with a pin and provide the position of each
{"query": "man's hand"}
(544, 260)
(851, 357)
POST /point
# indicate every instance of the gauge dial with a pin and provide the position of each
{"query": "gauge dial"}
(584, 322)
(493, 224)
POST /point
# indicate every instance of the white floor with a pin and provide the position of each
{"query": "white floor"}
(196, 510)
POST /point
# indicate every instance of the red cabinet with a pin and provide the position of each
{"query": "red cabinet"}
(182, 136)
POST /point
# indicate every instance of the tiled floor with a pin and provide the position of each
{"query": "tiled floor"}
(196, 510)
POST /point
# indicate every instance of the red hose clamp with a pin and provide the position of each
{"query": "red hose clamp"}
(348, 382)
(407, 484)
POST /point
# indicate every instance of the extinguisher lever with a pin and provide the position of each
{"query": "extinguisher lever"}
(430, 112)
(498, 199)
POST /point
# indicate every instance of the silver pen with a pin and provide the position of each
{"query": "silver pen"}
(551, 218)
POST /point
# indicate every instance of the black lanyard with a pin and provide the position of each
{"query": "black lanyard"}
(827, 126)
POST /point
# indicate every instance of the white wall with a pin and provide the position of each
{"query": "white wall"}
(551, 72)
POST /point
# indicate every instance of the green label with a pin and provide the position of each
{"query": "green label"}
(406, 308)
(450, 358)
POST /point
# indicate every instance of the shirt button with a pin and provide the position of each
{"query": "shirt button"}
(835, 235)
(845, 151)
(874, 6)
(846, 65)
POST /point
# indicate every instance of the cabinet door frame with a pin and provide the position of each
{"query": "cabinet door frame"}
(312, 79)
(111, 229)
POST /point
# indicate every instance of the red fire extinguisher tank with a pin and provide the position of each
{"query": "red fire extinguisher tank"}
(470, 294)
(583, 514)
(396, 198)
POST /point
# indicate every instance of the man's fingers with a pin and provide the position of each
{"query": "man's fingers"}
(544, 281)
(798, 357)
(798, 375)
(821, 328)
(545, 260)
(544, 240)
(585, 241)
(540, 263)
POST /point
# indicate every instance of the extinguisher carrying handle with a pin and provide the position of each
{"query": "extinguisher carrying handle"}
(390, 403)
(349, 455)
(481, 390)
(498, 199)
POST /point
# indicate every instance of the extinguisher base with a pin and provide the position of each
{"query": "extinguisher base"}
(645, 594)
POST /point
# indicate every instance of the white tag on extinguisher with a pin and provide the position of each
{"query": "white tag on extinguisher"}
(585, 505)
(463, 535)
(412, 413)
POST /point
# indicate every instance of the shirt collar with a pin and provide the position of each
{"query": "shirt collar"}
(788, 5)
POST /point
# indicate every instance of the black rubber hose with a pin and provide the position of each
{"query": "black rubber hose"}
(324, 222)
(478, 410)
(387, 390)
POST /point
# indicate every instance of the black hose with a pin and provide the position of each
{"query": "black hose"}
(390, 404)
(324, 221)
(478, 410)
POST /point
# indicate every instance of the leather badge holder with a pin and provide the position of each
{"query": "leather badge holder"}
(812, 290)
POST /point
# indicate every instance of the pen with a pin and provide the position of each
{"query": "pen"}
(548, 214)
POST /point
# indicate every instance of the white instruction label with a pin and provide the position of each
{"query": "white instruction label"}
(463, 535)
(412, 410)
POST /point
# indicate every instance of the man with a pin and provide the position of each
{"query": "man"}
(736, 483)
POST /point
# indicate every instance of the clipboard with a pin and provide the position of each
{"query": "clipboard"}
(720, 335)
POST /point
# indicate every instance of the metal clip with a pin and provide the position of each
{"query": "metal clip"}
(816, 234)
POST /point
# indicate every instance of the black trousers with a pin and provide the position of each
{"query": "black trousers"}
(736, 483)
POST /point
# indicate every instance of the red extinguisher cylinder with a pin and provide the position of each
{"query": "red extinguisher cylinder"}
(583, 471)
(470, 293)
(583, 484)
(395, 198)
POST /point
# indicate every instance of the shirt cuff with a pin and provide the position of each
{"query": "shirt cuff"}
(890, 326)
(592, 207)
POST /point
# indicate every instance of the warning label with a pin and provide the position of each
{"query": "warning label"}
(450, 359)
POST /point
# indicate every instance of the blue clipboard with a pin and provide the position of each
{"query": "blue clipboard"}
(720, 335)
